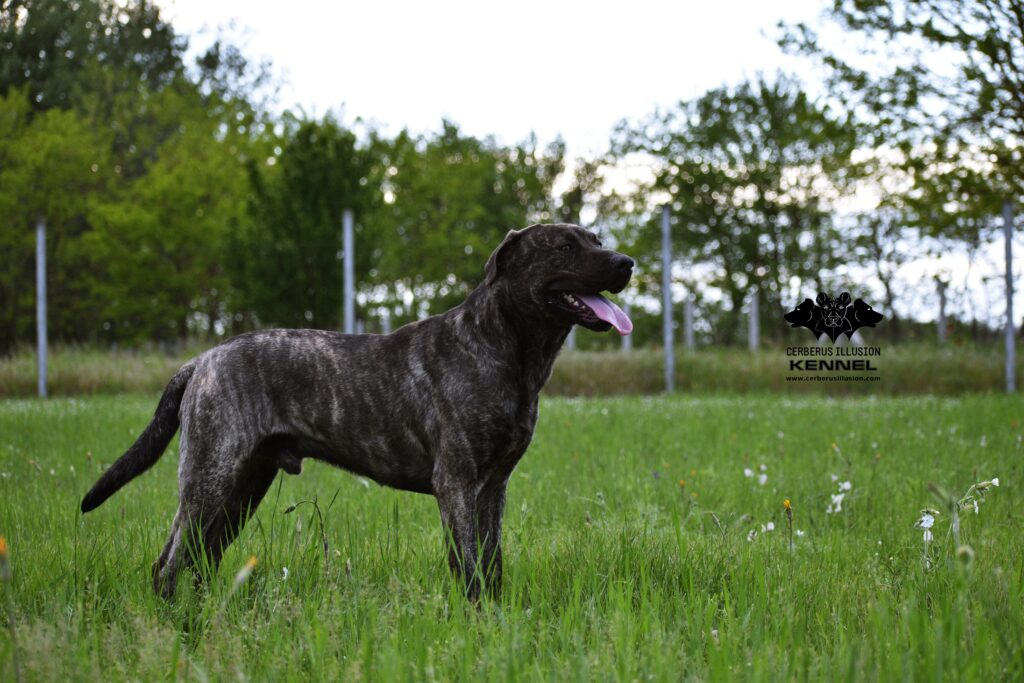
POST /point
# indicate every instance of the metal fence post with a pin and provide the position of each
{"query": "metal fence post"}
(666, 301)
(688, 307)
(942, 311)
(348, 254)
(1011, 349)
(41, 303)
(753, 322)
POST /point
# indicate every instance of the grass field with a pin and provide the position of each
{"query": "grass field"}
(903, 369)
(629, 553)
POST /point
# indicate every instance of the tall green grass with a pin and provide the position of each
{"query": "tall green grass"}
(903, 370)
(627, 553)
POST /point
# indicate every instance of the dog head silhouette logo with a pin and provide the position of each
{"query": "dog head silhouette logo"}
(833, 316)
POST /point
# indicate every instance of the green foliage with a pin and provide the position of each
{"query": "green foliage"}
(447, 201)
(62, 52)
(614, 570)
(285, 262)
(943, 83)
(138, 169)
(178, 207)
(748, 172)
(51, 165)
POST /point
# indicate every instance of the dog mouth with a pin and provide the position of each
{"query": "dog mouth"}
(593, 311)
(833, 320)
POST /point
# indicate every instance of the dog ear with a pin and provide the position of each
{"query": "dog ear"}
(492, 267)
(822, 299)
(844, 299)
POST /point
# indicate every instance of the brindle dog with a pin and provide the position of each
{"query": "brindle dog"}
(444, 406)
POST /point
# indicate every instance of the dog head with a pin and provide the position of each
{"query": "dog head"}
(803, 315)
(863, 315)
(833, 310)
(557, 273)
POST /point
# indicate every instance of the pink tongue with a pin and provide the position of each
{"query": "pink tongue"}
(607, 311)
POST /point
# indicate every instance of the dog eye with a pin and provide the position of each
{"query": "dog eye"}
(565, 248)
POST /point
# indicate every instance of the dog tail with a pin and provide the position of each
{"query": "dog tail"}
(148, 448)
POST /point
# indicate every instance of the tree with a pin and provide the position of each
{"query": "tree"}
(137, 165)
(62, 51)
(447, 201)
(159, 242)
(50, 166)
(749, 173)
(942, 82)
(286, 261)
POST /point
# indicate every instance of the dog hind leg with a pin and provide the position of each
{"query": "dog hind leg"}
(214, 504)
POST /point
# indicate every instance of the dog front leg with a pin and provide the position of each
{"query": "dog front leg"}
(491, 508)
(458, 514)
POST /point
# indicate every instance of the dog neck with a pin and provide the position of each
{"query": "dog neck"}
(490, 320)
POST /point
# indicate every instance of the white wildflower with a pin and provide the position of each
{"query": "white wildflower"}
(800, 532)
(926, 522)
(845, 486)
(764, 468)
(995, 481)
(747, 472)
(762, 479)
(284, 573)
(835, 477)
(770, 526)
(752, 535)
(837, 503)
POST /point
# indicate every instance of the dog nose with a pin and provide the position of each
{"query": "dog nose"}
(621, 262)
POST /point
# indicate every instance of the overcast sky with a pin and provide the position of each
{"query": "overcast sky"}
(569, 68)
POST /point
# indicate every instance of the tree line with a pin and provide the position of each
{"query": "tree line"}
(178, 204)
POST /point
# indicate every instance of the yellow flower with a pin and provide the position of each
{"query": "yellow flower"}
(786, 504)
(245, 571)
(5, 567)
